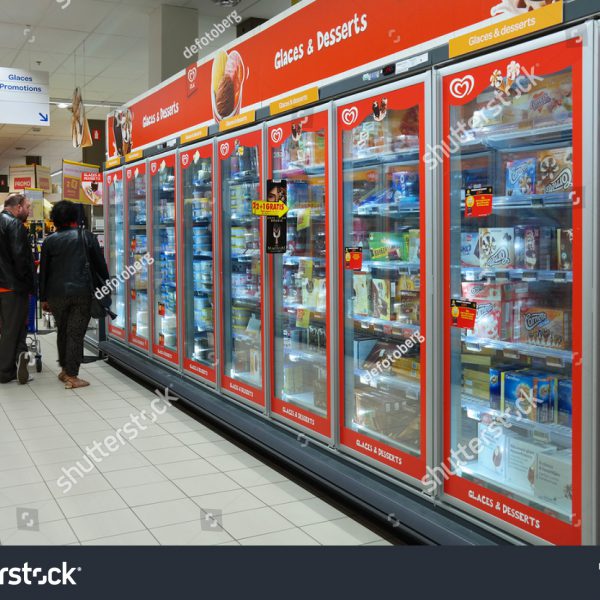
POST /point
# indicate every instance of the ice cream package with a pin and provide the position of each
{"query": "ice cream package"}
(469, 249)
(564, 241)
(494, 320)
(532, 394)
(547, 327)
(496, 248)
(554, 171)
(533, 247)
(520, 176)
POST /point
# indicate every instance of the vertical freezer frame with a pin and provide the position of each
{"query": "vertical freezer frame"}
(383, 457)
(185, 157)
(134, 341)
(298, 418)
(111, 176)
(159, 352)
(244, 392)
(577, 53)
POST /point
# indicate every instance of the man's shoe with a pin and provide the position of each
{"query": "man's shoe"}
(22, 368)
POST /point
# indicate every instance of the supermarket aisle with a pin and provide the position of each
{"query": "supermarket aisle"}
(176, 482)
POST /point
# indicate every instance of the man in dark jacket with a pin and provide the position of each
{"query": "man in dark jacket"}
(66, 287)
(17, 281)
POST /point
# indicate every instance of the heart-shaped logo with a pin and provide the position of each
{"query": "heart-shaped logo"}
(185, 159)
(109, 180)
(349, 115)
(191, 75)
(129, 174)
(224, 149)
(462, 86)
(276, 135)
(153, 168)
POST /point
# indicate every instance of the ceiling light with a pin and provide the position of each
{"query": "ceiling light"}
(63, 105)
(227, 2)
(19, 148)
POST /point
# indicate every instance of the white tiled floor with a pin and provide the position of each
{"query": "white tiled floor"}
(177, 483)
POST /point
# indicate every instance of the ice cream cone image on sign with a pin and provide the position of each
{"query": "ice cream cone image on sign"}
(228, 74)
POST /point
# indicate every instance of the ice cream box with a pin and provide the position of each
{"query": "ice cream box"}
(495, 384)
(547, 327)
(469, 249)
(494, 291)
(492, 449)
(476, 383)
(404, 184)
(494, 320)
(497, 248)
(414, 245)
(383, 291)
(533, 247)
(388, 246)
(565, 401)
(531, 394)
(362, 349)
(520, 176)
(407, 307)
(554, 171)
(564, 241)
(361, 283)
(408, 282)
(554, 477)
(522, 460)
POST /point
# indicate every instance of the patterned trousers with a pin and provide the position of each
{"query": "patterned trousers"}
(72, 315)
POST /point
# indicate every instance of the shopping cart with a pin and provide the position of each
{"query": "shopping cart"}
(33, 343)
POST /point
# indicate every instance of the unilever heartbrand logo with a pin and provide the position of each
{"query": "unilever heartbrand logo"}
(153, 168)
(461, 87)
(276, 135)
(185, 159)
(224, 149)
(191, 75)
(349, 115)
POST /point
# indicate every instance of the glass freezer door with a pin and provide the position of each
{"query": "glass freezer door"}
(116, 250)
(300, 325)
(164, 268)
(198, 272)
(242, 293)
(137, 252)
(513, 289)
(382, 191)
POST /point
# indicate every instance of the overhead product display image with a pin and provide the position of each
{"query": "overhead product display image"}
(137, 251)
(513, 258)
(241, 293)
(300, 354)
(198, 228)
(382, 193)
(116, 250)
(164, 268)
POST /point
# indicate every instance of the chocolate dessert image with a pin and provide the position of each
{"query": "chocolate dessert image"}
(228, 75)
(517, 7)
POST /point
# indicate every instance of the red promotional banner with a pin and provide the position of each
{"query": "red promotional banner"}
(321, 40)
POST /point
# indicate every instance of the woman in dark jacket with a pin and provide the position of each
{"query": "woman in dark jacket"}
(65, 287)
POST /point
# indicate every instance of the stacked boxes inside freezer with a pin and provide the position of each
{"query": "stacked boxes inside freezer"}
(163, 194)
(198, 226)
(300, 160)
(382, 192)
(138, 247)
(516, 265)
(240, 188)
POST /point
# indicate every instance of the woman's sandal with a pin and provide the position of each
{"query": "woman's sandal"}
(63, 376)
(75, 382)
